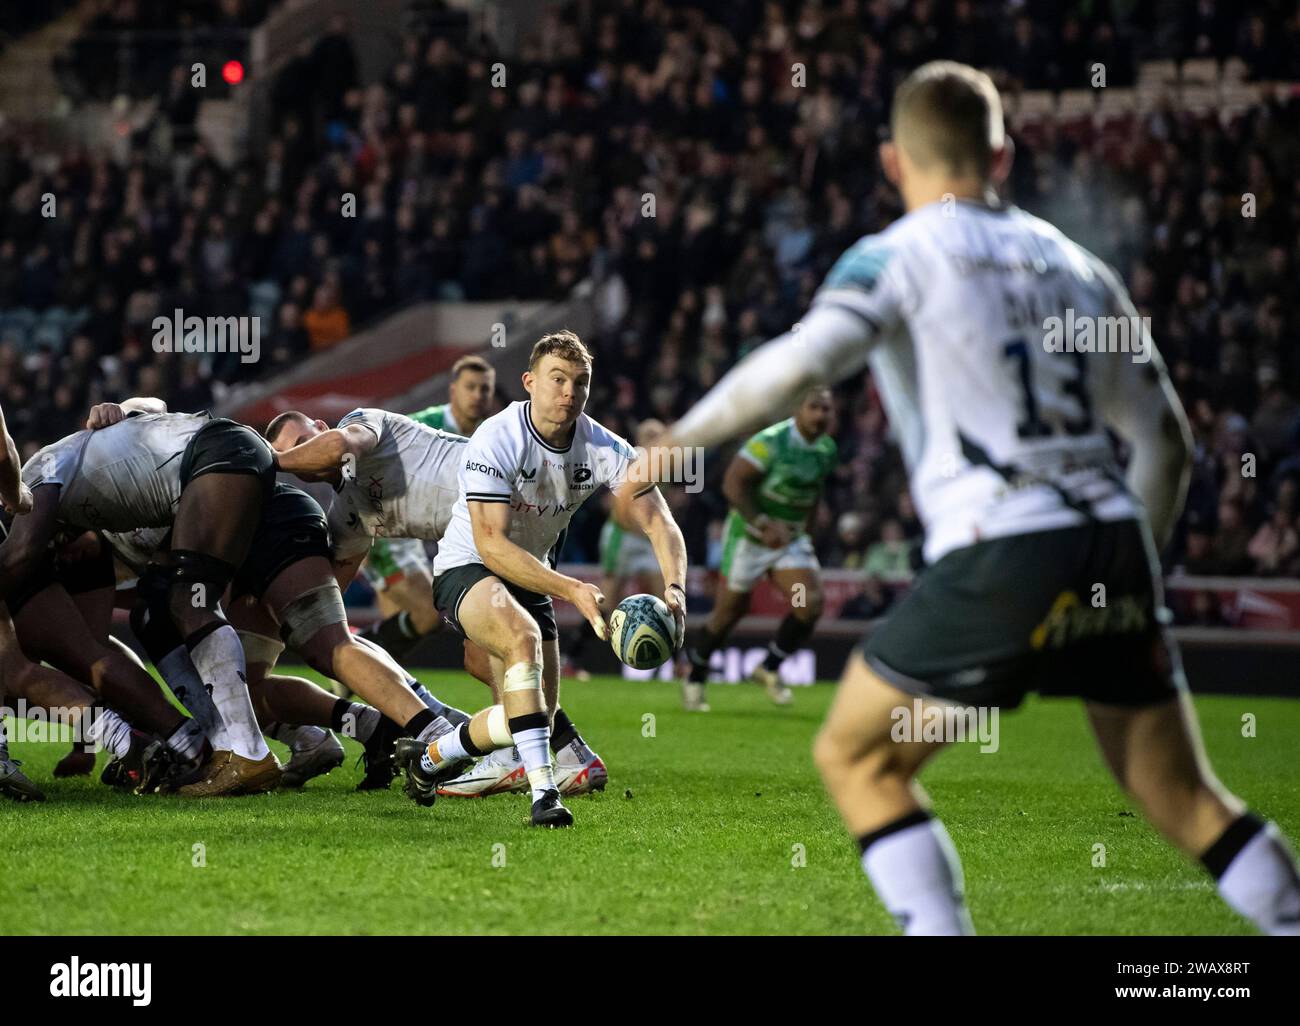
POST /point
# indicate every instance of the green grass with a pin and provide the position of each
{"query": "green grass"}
(695, 835)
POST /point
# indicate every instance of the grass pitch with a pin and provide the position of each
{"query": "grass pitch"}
(712, 823)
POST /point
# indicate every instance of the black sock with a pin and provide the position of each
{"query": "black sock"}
(396, 635)
(699, 654)
(1220, 854)
(418, 722)
(340, 710)
(563, 732)
(790, 634)
(577, 642)
(467, 742)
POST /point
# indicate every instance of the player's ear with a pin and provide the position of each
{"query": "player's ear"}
(889, 161)
(1003, 158)
(527, 379)
(320, 425)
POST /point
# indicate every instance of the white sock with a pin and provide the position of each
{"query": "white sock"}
(219, 658)
(4, 742)
(534, 747)
(178, 671)
(187, 740)
(1261, 882)
(108, 730)
(915, 871)
(299, 738)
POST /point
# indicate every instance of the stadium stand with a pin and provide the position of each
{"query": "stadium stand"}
(1181, 170)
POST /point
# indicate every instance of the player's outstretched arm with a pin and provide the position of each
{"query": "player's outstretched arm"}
(17, 497)
(328, 452)
(491, 524)
(651, 513)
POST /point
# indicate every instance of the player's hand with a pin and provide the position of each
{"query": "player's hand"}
(590, 600)
(24, 503)
(104, 415)
(775, 534)
(675, 600)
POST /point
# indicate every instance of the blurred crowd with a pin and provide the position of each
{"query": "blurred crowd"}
(704, 164)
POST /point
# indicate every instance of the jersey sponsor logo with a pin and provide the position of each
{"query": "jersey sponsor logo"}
(483, 468)
(542, 509)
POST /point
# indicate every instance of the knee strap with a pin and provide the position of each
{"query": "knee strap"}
(311, 612)
(499, 727)
(523, 677)
(258, 648)
(198, 570)
(151, 619)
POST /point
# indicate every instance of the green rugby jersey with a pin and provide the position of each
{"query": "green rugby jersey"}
(438, 417)
(793, 467)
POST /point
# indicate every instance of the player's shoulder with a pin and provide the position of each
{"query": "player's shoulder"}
(596, 434)
(862, 264)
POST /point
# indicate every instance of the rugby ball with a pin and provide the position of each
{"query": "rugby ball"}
(642, 632)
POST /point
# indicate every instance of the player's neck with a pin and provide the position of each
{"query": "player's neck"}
(937, 190)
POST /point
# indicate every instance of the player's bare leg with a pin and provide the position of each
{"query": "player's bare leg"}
(871, 777)
(495, 621)
(729, 607)
(407, 613)
(1155, 753)
(215, 522)
(305, 598)
(802, 588)
(52, 629)
(139, 758)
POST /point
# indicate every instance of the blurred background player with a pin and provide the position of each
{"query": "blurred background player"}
(398, 569)
(773, 485)
(627, 562)
(1026, 509)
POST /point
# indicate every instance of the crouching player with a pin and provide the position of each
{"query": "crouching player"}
(522, 476)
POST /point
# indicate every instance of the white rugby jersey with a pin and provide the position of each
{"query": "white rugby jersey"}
(405, 487)
(998, 433)
(507, 461)
(121, 477)
(137, 548)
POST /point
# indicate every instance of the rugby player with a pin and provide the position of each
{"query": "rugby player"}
(1025, 506)
(522, 476)
(773, 485)
(398, 569)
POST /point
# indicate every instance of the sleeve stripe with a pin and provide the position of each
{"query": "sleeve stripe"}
(644, 491)
(749, 457)
(477, 497)
(872, 323)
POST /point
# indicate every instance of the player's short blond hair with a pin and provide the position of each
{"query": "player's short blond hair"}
(564, 344)
(949, 114)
